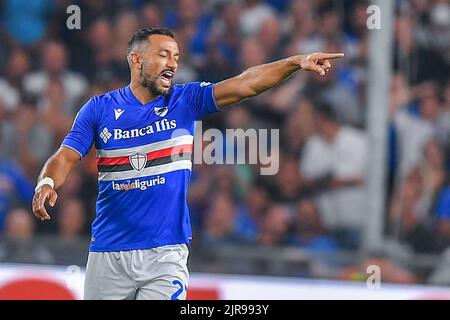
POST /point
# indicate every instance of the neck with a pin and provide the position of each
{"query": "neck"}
(332, 133)
(141, 93)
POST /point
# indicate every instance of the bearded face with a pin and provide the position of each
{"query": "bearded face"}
(159, 64)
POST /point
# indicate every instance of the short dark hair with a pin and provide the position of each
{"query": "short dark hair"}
(142, 35)
(326, 111)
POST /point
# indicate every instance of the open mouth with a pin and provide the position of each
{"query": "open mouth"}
(166, 77)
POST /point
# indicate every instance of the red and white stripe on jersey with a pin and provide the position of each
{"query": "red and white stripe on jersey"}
(161, 157)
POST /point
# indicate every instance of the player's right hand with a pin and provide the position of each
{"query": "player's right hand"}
(318, 62)
(40, 197)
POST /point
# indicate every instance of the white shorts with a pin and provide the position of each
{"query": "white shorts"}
(153, 274)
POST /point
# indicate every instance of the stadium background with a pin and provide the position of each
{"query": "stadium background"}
(307, 221)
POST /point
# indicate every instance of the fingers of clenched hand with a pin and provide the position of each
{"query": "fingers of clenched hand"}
(39, 202)
(320, 62)
(52, 198)
(326, 65)
(39, 205)
(317, 68)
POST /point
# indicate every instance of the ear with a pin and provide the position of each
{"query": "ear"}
(136, 60)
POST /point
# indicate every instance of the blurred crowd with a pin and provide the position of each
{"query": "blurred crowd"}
(317, 200)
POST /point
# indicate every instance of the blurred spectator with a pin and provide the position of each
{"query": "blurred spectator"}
(333, 164)
(17, 66)
(309, 232)
(53, 115)
(15, 188)
(298, 127)
(270, 36)
(407, 222)
(200, 191)
(344, 102)
(97, 64)
(254, 13)
(152, 14)
(19, 225)
(27, 139)
(284, 99)
(219, 221)
(330, 27)
(302, 27)
(71, 220)
(18, 245)
(191, 68)
(125, 25)
(194, 20)
(250, 214)
(432, 111)
(285, 186)
(252, 53)
(274, 226)
(411, 131)
(432, 24)
(224, 43)
(440, 26)
(416, 62)
(54, 66)
(433, 176)
(26, 21)
(358, 17)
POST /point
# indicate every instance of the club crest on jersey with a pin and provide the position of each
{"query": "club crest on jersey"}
(138, 161)
(161, 111)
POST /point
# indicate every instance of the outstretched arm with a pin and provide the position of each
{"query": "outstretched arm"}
(258, 79)
(57, 168)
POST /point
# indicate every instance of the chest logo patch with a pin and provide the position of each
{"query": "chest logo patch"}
(138, 161)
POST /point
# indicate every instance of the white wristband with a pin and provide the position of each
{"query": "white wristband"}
(46, 180)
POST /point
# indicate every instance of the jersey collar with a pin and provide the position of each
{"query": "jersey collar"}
(132, 99)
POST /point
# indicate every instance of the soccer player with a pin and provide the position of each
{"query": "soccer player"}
(140, 234)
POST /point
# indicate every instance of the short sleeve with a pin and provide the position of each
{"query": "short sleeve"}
(81, 137)
(200, 97)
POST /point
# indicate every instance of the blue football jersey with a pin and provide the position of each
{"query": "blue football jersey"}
(144, 164)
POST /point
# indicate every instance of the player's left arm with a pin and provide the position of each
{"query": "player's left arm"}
(257, 79)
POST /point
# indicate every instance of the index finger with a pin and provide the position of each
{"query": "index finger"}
(331, 55)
